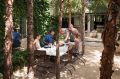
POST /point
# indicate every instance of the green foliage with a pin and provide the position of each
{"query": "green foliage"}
(41, 16)
(19, 11)
(75, 6)
(1, 23)
(1, 33)
(98, 6)
(19, 59)
(54, 23)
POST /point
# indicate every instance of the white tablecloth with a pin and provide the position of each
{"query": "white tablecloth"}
(52, 51)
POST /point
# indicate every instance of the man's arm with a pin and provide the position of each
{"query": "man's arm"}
(67, 36)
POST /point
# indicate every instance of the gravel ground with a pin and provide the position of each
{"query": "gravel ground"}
(93, 52)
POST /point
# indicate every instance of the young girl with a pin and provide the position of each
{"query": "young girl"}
(37, 42)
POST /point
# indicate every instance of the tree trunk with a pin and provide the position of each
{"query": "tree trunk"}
(69, 16)
(109, 41)
(56, 7)
(57, 48)
(8, 40)
(30, 38)
(83, 26)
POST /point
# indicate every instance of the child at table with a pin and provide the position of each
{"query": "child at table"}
(37, 42)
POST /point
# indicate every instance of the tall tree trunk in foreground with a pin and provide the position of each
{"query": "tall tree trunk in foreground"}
(57, 48)
(30, 38)
(109, 41)
(83, 26)
(8, 39)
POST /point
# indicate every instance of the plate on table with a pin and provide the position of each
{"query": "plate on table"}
(46, 46)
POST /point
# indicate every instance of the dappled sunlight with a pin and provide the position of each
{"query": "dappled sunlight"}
(116, 73)
(20, 73)
(117, 61)
(93, 58)
(90, 70)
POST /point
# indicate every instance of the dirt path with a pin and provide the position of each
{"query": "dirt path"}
(93, 52)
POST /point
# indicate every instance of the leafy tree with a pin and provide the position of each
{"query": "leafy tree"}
(97, 6)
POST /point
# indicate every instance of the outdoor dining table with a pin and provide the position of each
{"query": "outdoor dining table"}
(52, 50)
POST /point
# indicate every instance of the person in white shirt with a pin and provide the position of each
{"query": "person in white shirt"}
(37, 42)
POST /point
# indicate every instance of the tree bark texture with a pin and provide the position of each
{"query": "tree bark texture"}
(57, 48)
(109, 41)
(83, 26)
(30, 38)
(8, 39)
(69, 16)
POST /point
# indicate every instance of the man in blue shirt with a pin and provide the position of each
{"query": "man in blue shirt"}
(16, 38)
(49, 37)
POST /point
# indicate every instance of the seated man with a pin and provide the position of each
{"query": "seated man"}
(48, 39)
(75, 38)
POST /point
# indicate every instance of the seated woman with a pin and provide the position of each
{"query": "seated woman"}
(37, 42)
(64, 36)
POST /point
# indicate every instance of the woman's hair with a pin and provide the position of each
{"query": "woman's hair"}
(36, 35)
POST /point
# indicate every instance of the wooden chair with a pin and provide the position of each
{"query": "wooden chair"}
(70, 53)
(40, 54)
(76, 53)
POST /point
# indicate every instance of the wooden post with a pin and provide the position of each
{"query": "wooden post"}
(57, 47)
